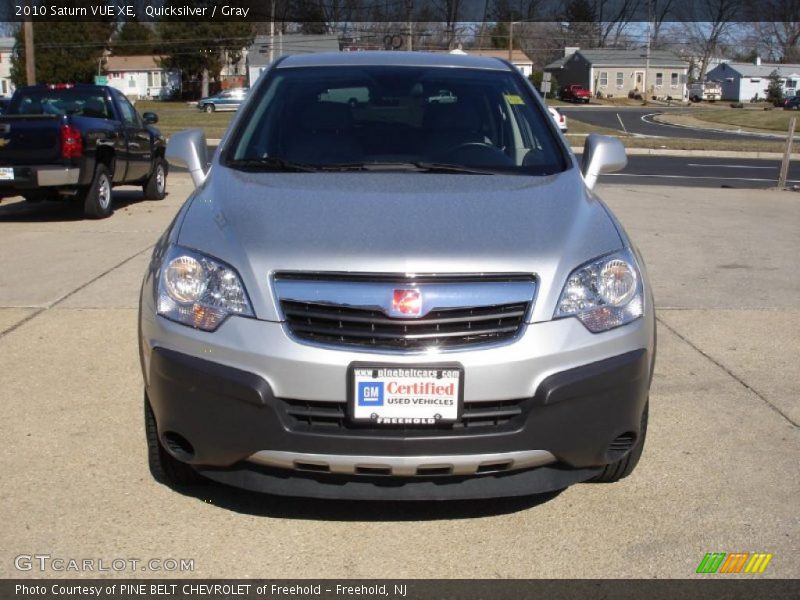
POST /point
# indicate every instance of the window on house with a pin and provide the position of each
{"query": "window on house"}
(603, 78)
(659, 79)
(620, 79)
(132, 82)
(791, 83)
(674, 80)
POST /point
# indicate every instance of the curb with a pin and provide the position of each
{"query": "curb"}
(700, 153)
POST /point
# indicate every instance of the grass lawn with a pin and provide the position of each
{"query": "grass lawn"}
(175, 116)
(772, 120)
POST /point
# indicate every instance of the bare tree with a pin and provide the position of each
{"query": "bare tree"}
(711, 21)
(777, 24)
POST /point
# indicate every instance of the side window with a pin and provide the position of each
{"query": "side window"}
(129, 116)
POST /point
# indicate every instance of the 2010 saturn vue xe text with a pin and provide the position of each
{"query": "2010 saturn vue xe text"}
(395, 282)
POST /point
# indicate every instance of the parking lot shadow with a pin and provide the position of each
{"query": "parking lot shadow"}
(17, 210)
(282, 507)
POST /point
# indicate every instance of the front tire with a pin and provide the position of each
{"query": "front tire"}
(97, 203)
(623, 467)
(163, 467)
(156, 186)
(209, 108)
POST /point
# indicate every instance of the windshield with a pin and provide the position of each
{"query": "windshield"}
(86, 103)
(367, 117)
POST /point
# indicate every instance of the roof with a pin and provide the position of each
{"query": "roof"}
(395, 59)
(557, 64)
(517, 56)
(604, 57)
(762, 70)
(258, 53)
(133, 63)
(7, 43)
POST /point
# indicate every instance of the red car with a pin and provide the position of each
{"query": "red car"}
(575, 93)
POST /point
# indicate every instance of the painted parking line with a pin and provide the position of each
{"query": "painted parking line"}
(730, 166)
(771, 180)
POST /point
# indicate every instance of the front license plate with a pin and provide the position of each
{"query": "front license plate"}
(6, 173)
(406, 395)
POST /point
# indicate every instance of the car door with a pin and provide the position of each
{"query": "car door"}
(137, 138)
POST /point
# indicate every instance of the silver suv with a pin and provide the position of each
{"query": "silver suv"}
(395, 282)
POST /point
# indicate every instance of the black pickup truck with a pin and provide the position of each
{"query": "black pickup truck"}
(78, 141)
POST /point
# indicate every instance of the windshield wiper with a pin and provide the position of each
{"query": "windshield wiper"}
(269, 164)
(427, 167)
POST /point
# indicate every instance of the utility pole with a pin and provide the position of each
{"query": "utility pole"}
(30, 60)
(272, 34)
(647, 53)
(510, 39)
(409, 26)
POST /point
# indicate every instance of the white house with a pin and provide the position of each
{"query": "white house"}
(142, 77)
(611, 72)
(746, 82)
(518, 58)
(6, 51)
(258, 55)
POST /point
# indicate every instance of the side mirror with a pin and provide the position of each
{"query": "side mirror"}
(150, 118)
(188, 149)
(601, 154)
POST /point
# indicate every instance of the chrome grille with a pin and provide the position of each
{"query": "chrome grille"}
(450, 327)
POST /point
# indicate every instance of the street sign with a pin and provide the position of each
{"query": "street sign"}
(100, 80)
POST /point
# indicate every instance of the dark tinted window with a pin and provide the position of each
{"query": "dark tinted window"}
(83, 103)
(365, 115)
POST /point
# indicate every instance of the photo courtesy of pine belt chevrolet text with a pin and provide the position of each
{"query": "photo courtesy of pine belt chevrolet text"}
(394, 281)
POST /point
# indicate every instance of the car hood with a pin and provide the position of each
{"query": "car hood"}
(402, 222)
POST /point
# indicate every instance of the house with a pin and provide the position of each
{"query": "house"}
(259, 55)
(613, 72)
(518, 58)
(6, 52)
(746, 82)
(142, 77)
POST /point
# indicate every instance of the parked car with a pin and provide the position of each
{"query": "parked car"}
(710, 91)
(559, 119)
(575, 93)
(77, 142)
(792, 103)
(225, 100)
(383, 304)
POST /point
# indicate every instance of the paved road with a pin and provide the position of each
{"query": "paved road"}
(639, 121)
(719, 472)
(703, 172)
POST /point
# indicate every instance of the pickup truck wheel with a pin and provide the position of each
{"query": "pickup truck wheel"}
(209, 108)
(97, 203)
(156, 186)
(625, 466)
(163, 467)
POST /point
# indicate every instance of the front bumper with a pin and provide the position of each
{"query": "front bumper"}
(242, 433)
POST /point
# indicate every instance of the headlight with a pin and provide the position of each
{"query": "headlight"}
(604, 293)
(199, 291)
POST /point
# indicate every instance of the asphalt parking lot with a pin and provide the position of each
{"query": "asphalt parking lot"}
(719, 472)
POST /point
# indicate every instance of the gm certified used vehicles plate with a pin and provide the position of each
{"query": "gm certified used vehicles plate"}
(398, 297)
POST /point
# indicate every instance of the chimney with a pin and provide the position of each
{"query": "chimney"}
(758, 61)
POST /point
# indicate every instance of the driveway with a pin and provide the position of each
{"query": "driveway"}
(719, 471)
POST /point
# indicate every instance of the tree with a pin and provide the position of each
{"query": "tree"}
(65, 51)
(775, 89)
(134, 38)
(711, 23)
(199, 48)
